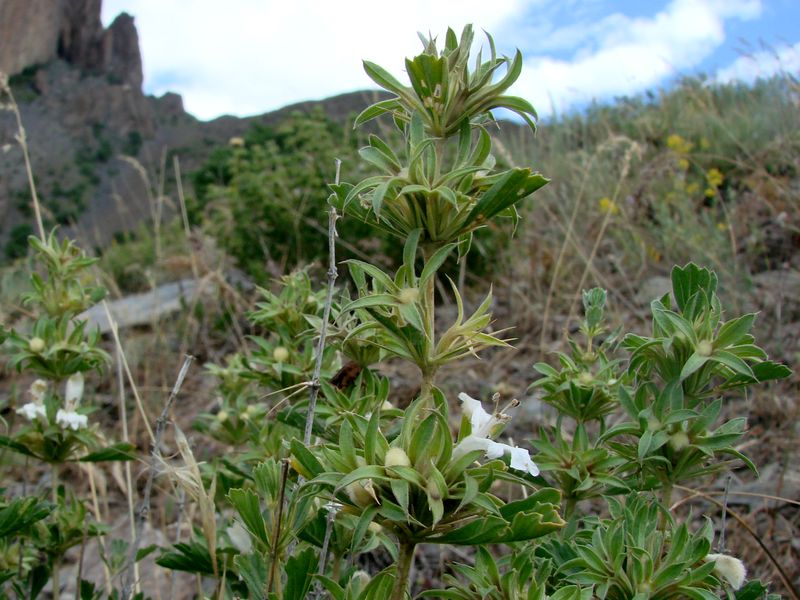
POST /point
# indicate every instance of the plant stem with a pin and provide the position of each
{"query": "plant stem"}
(326, 315)
(57, 559)
(404, 561)
(569, 507)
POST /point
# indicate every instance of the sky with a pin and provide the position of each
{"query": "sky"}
(246, 57)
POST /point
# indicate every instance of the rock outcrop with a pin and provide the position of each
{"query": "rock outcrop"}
(36, 32)
(29, 33)
(97, 142)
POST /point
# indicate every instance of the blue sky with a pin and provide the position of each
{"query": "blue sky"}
(246, 57)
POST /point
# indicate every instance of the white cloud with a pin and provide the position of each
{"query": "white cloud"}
(622, 55)
(250, 56)
(762, 64)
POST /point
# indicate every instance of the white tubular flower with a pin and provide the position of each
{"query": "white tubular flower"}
(74, 392)
(35, 409)
(485, 425)
(729, 568)
(68, 417)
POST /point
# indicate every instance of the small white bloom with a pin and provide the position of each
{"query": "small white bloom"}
(483, 425)
(729, 568)
(69, 419)
(33, 410)
(74, 392)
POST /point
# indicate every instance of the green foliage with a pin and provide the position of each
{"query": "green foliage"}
(261, 196)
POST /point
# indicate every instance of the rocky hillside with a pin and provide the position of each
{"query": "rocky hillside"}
(79, 88)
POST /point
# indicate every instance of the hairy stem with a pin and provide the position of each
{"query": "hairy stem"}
(405, 559)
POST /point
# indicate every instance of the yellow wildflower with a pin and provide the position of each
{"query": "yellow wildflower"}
(683, 164)
(714, 177)
(607, 205)
(677, 144)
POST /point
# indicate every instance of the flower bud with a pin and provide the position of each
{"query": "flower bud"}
(433, 490)
(36, 345)
(704, 348)
(361, 579)
(396, 457)
(408, 295)
(222, 416)
(375, 527)
(280, 354)
(585, 378)
(653, 424)
(362, 493)
(679, 440)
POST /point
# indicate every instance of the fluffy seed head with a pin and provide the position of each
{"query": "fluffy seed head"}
(729, 568)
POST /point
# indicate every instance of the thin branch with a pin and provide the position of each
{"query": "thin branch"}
(333, 509)
(144, 509)
(332, 274)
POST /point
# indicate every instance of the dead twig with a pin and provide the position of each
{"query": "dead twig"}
(144, 508)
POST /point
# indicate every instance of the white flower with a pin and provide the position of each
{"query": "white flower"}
(33, 410)
(484, 425)
(68, 417)
(74, 392)
(729, 568)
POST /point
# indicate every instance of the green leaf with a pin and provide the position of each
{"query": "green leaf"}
(384, 79)
(300, 569)
(192, 557)
(20, 514)
(694, 363)
(116, 452)
(253, 569)
(248, 505)
(733, 362)
(732, 331)
(7, 442)
(509, 189)
(689, 280)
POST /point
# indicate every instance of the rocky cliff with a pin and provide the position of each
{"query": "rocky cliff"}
(78, 86)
